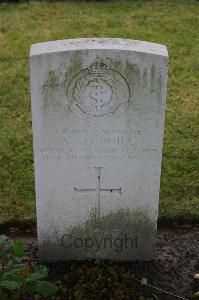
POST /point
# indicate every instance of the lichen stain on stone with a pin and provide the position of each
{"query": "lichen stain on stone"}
(156, 84)
(75, 67)
(117, 65)
(50, 88)
(129, 71)
(159, 87)
(123, 222)
(145, 78)
(153, 77)
(133, 75)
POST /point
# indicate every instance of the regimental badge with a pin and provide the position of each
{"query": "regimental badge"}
(97, 91)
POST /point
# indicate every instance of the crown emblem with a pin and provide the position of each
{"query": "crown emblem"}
(98, 67)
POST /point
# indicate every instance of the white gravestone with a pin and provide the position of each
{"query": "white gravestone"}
(98, 110)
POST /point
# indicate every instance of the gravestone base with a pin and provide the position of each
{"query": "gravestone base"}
(133, 236)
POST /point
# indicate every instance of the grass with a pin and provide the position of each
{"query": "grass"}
(174, 23)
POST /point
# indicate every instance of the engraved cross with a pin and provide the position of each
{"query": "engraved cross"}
(98, 190)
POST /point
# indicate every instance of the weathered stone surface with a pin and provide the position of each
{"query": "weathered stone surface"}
(98, 118)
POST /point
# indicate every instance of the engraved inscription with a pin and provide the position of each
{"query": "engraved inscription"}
(101, 144)
(97, 91)
(99, 154)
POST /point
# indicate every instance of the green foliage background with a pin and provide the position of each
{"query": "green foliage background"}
(174, 23)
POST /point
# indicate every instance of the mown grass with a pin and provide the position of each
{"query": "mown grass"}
(174, 23)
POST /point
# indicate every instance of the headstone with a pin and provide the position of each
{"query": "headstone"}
(98, 110)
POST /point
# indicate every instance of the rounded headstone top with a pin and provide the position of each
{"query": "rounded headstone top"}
(98, 43)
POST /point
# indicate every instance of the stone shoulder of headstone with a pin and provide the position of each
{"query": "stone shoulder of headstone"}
(95, 43)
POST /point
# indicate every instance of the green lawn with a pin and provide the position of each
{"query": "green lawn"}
(174, 23)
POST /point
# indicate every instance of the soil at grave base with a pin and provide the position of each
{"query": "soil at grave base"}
(177, 261)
